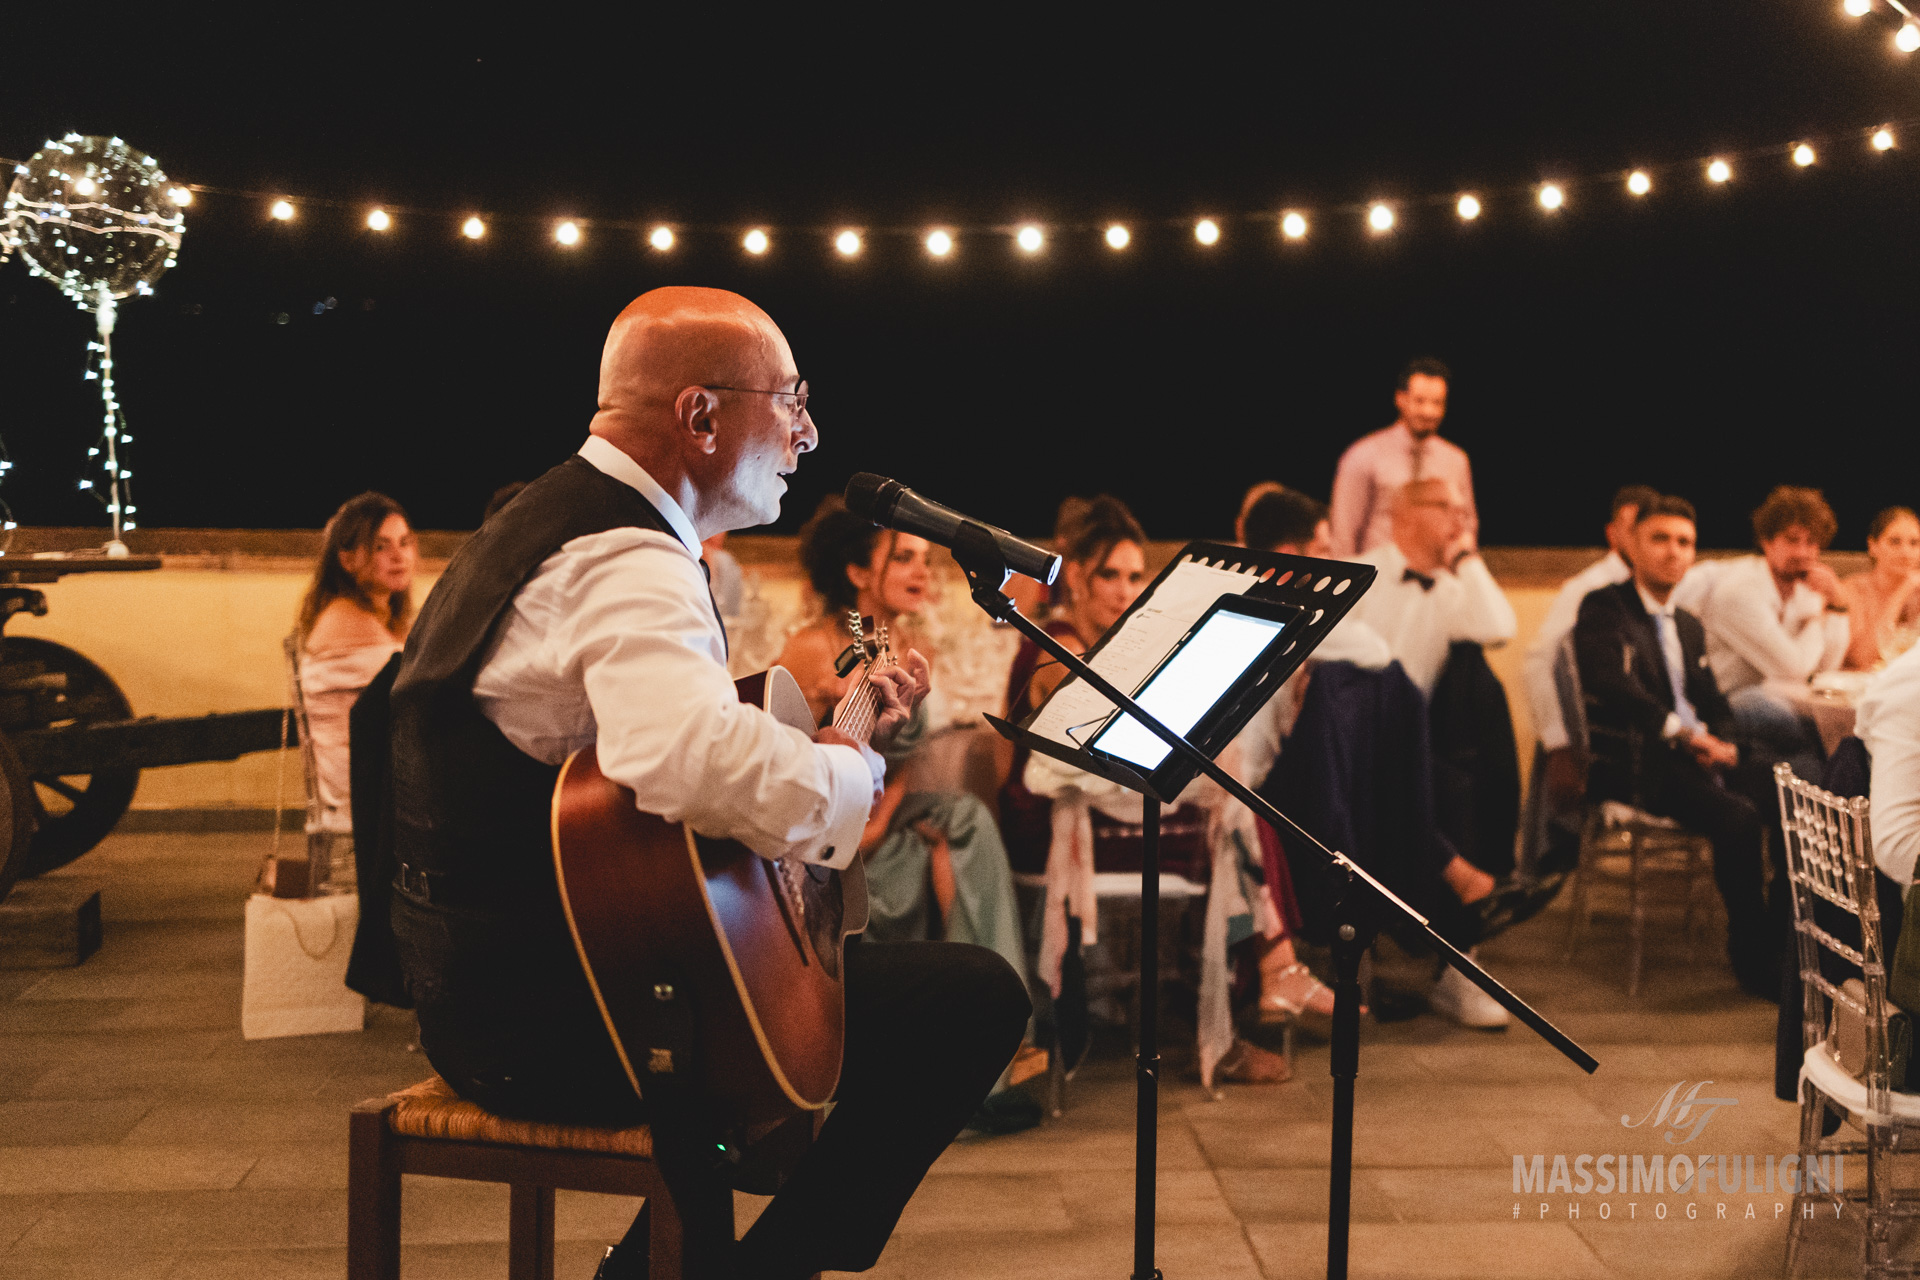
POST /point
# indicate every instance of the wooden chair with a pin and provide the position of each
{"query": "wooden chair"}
(428, 1129)
(1847, 1065)
(1626, 842)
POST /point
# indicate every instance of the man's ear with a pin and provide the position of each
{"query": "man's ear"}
(693, 410)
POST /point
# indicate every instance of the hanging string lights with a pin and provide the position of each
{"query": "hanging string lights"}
(1375, 218)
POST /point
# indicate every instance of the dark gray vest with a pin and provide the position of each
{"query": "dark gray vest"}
(469, 808)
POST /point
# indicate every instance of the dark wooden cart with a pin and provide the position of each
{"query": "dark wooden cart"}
(71, 749)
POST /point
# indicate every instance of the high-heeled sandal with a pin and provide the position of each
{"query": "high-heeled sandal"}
(1276, 1008)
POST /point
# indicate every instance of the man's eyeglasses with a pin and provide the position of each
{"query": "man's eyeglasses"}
(798, 394)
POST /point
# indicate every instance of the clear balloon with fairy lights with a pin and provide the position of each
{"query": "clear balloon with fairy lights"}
(101, 221)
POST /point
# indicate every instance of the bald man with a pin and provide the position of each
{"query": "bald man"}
(580, 615)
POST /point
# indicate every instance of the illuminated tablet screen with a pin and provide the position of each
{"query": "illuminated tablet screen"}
(1189, 683)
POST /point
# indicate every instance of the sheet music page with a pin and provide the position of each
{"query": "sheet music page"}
(1077, 709)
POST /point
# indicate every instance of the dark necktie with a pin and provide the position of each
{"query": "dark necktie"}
(1425, 580)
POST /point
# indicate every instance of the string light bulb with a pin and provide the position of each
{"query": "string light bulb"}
(567, 233)
(1551, 197)
(1468, 207)
(84, 187)
(755, 241)
(282, 211)
(661, 238)
(1030, 239)
(939, 243)
(1882, 139)
(1857, 8)
(1293, 226)
(1907, 38)
(378, 220)
(847, 243)
(473, 228)
(1639, 183)
(1118, 237)
(181, 196)
(1380, 218)
(1803, 155)
(1719, 171)
(1206, 231)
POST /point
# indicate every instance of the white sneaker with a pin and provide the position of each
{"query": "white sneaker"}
(1455, 997)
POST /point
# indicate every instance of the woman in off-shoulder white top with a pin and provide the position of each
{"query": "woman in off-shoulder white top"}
(354, 618)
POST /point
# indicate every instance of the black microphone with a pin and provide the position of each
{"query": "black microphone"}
(890, 503)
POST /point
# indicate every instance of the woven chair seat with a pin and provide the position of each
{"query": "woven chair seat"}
(431, 1109)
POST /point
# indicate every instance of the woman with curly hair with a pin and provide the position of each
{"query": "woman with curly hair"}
(935, 865)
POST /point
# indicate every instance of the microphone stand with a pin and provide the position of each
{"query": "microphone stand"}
(1359, 898)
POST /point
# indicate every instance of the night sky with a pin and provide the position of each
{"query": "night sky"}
(1711, 341)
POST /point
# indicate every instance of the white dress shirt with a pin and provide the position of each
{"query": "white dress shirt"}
(613, 642)
(1888, 721)
(1683, 716)
(1753, 635)
(1419, 623)
(1543, 696)
(1361, 514)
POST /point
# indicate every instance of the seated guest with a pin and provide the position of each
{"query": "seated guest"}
(1276, 518)
(1065, 825)
(1885, 600)
(353, 619)
(1888, 723)
(935, 864)
(1776, 617)
(1433, 592)
(1661, 726)
(1561, 773)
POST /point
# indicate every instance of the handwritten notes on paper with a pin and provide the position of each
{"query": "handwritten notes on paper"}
(1129, 656)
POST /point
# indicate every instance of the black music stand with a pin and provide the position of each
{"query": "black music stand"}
(1325, 590)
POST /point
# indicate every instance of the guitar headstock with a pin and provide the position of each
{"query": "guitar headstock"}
(877, 653)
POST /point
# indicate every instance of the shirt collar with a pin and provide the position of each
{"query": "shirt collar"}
(610, 459)
(1653, 606)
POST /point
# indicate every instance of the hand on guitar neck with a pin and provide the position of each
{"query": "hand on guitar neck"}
(896, 692)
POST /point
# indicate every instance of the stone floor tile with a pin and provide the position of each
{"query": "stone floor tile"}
(90, 1264)
(189, 1220)
(312, 1166)
(1104, 1198)
(1383, 1143)
(1432, 1251)
(1059, 1147)
(238, 1123)
(1300, 1195)
(18, 1213)
(28, 1170)
(977, 1202)
(1218, 1253)
(51, 1123)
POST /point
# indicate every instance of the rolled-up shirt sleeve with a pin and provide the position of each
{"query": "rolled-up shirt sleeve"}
(1888, 723)
(1485, 614)
(639, 634)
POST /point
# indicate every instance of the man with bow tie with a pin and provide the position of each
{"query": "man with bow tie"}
(1434, 590)
(1433, 587)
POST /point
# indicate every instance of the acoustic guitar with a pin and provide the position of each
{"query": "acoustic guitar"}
(718, 971)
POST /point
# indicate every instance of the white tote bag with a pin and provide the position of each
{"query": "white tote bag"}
(296, 967)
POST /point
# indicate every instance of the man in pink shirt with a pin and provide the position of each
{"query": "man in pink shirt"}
(1375, 466)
